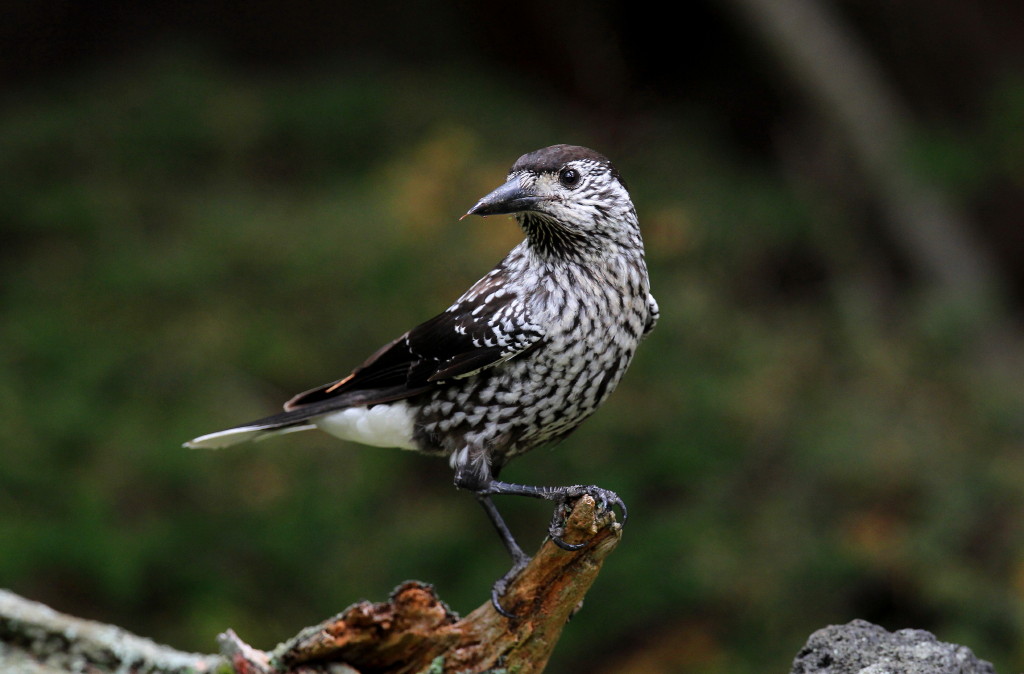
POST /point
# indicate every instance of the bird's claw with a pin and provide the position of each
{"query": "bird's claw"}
(501, 586)
(568, 547)
(605, 500)
(496, 593)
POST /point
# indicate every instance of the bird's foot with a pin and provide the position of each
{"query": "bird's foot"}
(501, 586)
(484, 487)
(605, 499)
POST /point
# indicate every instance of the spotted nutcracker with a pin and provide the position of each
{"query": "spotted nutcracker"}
(521, 359)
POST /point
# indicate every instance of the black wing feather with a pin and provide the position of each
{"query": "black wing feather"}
(485, 327)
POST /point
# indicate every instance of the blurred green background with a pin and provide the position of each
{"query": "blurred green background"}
(206, 209)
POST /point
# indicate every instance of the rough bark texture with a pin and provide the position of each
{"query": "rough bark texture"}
(412, 632)
(35, 639)
(415, 632)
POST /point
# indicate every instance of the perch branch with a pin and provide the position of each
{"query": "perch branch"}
(413, 632)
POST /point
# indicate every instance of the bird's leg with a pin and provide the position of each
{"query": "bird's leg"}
(519, 558)
(478, 479)
(473, 480)
(605, 499)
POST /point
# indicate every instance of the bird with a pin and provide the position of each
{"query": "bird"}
(520, 360)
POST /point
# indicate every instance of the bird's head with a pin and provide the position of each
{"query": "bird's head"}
(570, 200)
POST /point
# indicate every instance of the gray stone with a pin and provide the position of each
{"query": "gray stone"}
(860, 647)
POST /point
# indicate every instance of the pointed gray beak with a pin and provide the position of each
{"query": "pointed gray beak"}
(509, 198)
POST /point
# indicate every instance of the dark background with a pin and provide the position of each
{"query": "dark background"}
(206, 208)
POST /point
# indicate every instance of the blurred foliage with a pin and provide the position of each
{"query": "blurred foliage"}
(185, 246)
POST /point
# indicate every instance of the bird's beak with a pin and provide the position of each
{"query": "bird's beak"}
(511, 197)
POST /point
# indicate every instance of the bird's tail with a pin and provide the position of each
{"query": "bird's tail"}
(288, 422)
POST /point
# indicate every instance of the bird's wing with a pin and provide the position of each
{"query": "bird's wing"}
(485, 327)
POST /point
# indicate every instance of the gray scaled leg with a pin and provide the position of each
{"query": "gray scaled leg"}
(478, 480)
(605, 498)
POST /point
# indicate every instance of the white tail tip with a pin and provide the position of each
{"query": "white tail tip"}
(239, 434)
(232, 436)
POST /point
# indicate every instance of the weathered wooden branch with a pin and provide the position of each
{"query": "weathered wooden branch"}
(35, 639)
(412, 632)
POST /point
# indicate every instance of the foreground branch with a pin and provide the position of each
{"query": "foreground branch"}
(35, 639)
(413, 632)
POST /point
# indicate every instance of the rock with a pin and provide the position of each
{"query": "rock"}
(860, 647)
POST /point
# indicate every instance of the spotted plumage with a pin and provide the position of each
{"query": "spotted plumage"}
(522, 357)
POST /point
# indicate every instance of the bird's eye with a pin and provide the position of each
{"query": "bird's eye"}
(568, 177)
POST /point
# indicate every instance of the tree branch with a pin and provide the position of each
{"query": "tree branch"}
(836, 72)
(412, 632)
(38, 640)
